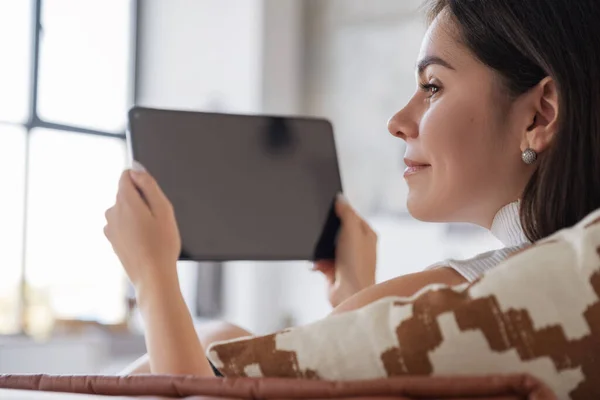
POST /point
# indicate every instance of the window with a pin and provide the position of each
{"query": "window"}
(84, 54)
(12, 179)
(15, 44)
(65, 87)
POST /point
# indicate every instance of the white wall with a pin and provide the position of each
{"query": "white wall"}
(360, 70)
(232, 55)
(199, 54)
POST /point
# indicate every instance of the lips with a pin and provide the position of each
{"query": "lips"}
(414, 167)
(412, 163)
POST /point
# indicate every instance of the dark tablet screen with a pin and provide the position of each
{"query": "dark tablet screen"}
(244, 187)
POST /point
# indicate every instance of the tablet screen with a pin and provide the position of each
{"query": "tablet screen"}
(243, 187)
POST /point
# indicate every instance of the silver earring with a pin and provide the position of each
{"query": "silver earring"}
(529, 156)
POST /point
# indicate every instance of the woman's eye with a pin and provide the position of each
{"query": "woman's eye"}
(430, 89)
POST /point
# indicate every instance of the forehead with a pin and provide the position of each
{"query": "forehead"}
(442, 40)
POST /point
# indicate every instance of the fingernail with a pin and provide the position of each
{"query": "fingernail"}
(341, 198)
(137, 167)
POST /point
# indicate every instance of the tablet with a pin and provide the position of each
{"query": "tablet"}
(243, 187)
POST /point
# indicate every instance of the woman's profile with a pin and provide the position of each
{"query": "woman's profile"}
(503, 131)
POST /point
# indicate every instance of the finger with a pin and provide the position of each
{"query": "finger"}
(329, 276)
(327, 268)
(350, 218)
(108, 214)
(323, 265)
(152, 193)
(366, 228)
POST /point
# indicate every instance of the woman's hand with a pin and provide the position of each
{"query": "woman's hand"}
(356, 256)
(142, 229)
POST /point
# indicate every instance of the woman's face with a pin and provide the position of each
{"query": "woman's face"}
(462, 140)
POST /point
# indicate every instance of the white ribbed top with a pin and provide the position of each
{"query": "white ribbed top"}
(506, 227)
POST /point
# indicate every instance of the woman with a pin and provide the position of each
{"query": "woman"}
(503, 132)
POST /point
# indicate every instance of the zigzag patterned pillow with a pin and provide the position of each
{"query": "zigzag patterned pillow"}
(538, 313)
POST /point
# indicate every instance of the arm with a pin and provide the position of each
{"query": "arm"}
(404, 286)
(171, 340)
(143, 232)
(208, 333)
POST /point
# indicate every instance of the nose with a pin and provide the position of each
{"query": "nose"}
(402, 124)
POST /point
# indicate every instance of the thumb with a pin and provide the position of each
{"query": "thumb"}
(344, 210)
(149, 189)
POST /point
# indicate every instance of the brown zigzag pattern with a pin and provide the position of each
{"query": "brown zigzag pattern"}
(237, 356)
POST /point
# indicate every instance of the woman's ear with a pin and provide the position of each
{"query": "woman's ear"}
(543, 99)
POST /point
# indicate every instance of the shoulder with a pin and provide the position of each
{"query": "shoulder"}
(473, 268)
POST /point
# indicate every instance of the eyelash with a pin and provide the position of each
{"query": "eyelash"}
(427, 88)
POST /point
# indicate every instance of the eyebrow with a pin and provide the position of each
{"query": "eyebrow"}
(432, 60)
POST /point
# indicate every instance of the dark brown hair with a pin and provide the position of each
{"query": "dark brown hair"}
(525, 41)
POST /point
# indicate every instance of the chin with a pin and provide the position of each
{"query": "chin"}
(422, 210)
(416, 209)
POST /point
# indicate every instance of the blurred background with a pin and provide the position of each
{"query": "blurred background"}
(70, 70)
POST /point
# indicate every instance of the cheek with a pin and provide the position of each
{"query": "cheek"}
(458, 140)
(467, 175)
(453, 134)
